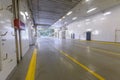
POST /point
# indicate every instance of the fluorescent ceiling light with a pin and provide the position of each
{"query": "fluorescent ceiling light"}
(26, 13)
(88, 29)
(91, 10)
(21, 13)
(74, 18)
(87, 0)
(63, 17)
(60, 19)
(107, 13)
(69, 13)
(27, 17)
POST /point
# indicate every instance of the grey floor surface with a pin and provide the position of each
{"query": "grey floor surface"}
(21, 69)
(103, 59)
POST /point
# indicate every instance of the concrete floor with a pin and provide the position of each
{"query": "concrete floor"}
(19, 73)
(101, 58)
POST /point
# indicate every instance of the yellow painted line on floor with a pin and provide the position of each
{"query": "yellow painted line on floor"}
(112, 43)
(81, 65)
(101, 50)
(32, 67)
(105, 51)
(102, 42)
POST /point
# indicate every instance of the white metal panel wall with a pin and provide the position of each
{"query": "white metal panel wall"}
(102, 27)
(117, 38)
(25, 41)
(7, 46)
(25, 33)
(7, 40)
(68, 34)
(8, 55)
(62, 34)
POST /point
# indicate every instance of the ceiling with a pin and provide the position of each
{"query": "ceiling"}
(47, 12)
(80, 10)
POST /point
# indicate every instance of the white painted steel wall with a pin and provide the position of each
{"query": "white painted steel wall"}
(7, 42)
(102, 26)
(24, 33)
(8, 55)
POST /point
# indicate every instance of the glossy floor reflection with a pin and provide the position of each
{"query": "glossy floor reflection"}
(102, 59)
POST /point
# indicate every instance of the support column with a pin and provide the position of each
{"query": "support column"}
(17, 30)
(20, 44)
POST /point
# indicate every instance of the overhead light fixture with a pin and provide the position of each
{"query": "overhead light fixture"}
(21, 13)
(87, 0)
(60, 19)
(88, 29)
(26, 13)
(69, 13)
(107, 13)
(27, 17)
(74, 18)
(93, 9)
(63, 17)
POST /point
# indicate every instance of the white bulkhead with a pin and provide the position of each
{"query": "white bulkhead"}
(8, 59)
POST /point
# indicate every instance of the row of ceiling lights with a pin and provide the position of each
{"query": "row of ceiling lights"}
(89, 11)
(74, 18)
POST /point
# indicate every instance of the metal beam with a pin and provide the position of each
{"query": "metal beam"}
(42, 24)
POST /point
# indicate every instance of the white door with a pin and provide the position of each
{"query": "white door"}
(117, 39)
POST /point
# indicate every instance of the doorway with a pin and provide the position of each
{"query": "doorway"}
(88, 35)
(73, 36)
(117, 36)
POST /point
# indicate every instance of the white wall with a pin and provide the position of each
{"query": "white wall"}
(7, 41)
(25, 35)
(8, 55)
(102, 27)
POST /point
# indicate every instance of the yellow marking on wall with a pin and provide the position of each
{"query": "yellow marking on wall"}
(32, 67)
(81, 65)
